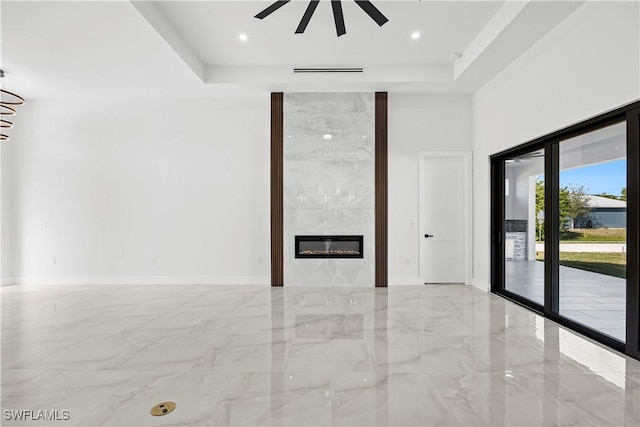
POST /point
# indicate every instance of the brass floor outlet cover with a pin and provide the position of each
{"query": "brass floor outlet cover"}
(163, 408)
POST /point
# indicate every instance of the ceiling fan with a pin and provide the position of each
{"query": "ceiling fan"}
(527, 156)
(338, 16)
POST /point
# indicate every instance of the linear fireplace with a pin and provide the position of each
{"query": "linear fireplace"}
(329, 247)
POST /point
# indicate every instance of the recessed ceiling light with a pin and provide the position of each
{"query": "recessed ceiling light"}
(415, 35)
(243, 37)
(328, 137)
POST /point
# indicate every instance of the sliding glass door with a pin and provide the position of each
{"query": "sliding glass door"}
(592, 219)
(565, 226)
(523, 225)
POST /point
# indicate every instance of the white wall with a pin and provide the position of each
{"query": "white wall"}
(185, 182)
(6, 272)
(142, 191)
(417, 123)
(517, 204)
(7, 207)
(588, 64)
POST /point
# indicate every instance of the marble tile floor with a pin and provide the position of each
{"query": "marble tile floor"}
(248, 355)
(593, 299)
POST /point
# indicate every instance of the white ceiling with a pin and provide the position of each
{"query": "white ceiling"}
(54, 49)
(212, 29)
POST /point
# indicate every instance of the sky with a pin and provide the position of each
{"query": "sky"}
(609, 177)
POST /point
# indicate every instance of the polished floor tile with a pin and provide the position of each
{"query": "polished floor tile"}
(245, 356)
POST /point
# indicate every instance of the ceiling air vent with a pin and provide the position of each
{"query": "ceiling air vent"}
(329, 70)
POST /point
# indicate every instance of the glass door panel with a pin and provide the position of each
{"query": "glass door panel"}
(593, 233)
(524, 225)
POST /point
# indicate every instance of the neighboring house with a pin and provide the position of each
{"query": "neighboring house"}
(605, 213)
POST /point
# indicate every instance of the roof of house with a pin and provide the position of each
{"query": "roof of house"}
(605, 202)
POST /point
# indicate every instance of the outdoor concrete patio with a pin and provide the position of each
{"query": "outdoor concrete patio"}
(593, 299)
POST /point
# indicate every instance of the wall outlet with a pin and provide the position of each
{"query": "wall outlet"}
(154, 261)
(54, 260)
(408, 261)
(41, 225)
(260, 261)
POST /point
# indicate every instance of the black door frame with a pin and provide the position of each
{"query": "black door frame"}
(550, 143)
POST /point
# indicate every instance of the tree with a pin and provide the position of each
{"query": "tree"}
(563, 205)
(539, 209)
(574, 203)
(623, 194)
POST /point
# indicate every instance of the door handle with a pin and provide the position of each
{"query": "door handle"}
(428, 235)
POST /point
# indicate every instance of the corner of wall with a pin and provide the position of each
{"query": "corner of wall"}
(6, 221)
(8, 281)
(481, 284)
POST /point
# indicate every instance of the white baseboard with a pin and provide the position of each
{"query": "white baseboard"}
(406, 281)
(143, 280)
(8, 281)
(481, 284)
(182, 280)
(409, 281)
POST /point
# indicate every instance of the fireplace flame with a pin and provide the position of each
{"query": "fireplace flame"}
(329, 252)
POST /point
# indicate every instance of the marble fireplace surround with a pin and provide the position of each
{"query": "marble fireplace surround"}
(325, 186)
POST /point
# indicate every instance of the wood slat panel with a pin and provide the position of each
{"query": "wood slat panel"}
(381, 170)
(277, 189)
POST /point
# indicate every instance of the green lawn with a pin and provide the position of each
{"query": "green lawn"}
(609, 263)
(581, 235)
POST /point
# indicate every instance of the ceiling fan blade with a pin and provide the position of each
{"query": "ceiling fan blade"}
(532, 155)
(338, 17)
(372, 11)
(307, 16)
(268, 11)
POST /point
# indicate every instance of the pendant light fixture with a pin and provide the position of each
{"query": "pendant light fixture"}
(8, 100)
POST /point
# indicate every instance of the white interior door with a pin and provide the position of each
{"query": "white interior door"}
(445, 218)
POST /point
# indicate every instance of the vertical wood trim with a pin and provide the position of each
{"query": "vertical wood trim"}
(277, 189)
(381, 171)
